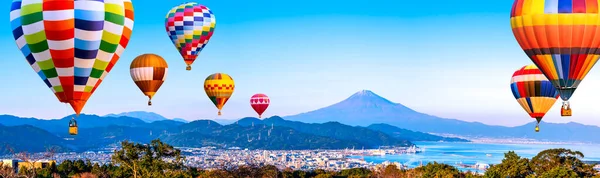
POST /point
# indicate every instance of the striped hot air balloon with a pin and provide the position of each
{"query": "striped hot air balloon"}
(190, 26)
(561, 37)
(259, 102)
(72, 45)
(219, 87)
(533, 91)
(148, 71)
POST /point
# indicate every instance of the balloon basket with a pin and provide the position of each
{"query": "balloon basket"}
(188, 68)
(565, 112)
(73, 130)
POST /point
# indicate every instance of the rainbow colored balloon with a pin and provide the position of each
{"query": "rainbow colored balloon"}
(562, 38)
(190, 26)
(533, 92)
(72, 45)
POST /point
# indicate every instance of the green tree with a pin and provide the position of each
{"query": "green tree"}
(549, 160)
(438, 170)
(247, 171)
(65, 168)
(561, 172)
(300, 174)
(156, 159)
(48, 171)
(391, 171)
(324, 175)
(216, 174)
(355, 172)
(512, 166)
(287, 173)
(269, 171)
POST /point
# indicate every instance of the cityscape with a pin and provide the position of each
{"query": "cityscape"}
(209, 158)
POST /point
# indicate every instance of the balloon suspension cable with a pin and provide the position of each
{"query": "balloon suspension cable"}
(67, 111)
(537, 125)
(188, 67)
(566, 105)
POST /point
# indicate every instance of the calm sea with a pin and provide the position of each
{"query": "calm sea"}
(472, 153)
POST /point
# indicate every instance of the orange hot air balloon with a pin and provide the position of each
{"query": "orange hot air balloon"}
(149, 71)
(561, 37)
(219, 87)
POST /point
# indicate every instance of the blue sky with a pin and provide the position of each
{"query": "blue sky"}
(452, 59)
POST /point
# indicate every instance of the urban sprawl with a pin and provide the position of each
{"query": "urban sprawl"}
(212, 158)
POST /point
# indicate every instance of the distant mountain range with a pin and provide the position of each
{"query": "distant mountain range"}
(365, 119)
(365, 108)
(145, 116)
(271, 133)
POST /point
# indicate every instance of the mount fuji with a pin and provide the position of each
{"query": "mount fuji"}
(366, 108)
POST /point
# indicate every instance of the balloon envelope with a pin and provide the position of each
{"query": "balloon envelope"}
(219, 87)
(149, 71)
(72, 45)
(259, 102)
(533, 91)
(561, 37)
(190, 26)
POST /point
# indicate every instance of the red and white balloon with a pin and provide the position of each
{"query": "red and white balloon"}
(259, 102)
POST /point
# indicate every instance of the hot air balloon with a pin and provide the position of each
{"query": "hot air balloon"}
(561, 37)
(533, 91)
(72, 45)
(259, 102)
(148, 71)
(219, 87)
(190, 26)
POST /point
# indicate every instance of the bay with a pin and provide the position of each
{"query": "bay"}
(453, 153)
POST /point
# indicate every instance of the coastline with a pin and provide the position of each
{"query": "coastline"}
(490, 140)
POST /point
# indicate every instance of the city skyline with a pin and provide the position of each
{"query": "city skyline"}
(308, 55)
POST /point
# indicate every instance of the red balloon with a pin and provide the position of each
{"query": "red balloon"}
(259, 103)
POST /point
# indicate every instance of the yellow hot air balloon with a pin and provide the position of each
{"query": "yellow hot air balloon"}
(149, 71)
(219, 87)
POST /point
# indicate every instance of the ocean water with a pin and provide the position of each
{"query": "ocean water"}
(473, 153)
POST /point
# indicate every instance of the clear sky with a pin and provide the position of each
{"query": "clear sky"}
(452, 59)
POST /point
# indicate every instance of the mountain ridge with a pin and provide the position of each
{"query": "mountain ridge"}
(365, 108)
(377, 121)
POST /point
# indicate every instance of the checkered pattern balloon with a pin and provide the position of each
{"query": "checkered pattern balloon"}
(219, 87)
(190, 26)
(72, 45)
